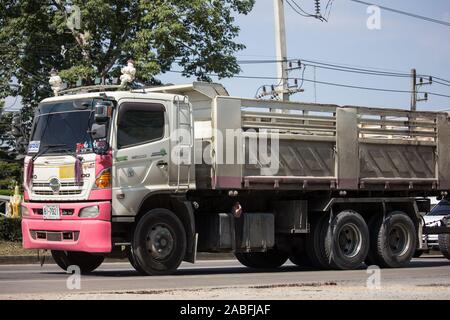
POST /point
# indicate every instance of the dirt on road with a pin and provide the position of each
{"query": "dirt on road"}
(293, 291)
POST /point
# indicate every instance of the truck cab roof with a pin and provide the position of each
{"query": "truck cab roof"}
(196, 91)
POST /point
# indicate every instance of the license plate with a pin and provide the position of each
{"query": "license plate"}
(51, 212)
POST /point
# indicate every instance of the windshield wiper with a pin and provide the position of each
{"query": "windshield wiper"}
(50, 146)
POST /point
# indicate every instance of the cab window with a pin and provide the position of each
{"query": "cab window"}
(139, 123)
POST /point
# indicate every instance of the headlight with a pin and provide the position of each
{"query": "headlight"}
(89, 212)
(103, 180)
(25, 211)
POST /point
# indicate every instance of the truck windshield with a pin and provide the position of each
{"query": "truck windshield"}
(441, 209)
(62, 126)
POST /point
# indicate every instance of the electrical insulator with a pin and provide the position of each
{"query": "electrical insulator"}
(317, 8)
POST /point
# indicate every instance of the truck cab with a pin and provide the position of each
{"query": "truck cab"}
(92, 160)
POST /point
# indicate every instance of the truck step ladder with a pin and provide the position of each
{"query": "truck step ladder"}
(184, 144)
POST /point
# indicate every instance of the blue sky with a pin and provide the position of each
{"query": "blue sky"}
(401, 44)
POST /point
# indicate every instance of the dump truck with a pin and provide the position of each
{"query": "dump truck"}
(159, 174)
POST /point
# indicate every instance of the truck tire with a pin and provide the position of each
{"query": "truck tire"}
(315, 242)
(444, 245)
(87, 262)
(133, 263)
(347, 241)
(418, 253)
(393, 241)
(159, 243)
(270, 259)
(372, 258)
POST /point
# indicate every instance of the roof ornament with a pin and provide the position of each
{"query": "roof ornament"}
(128, 74)
(55, 82)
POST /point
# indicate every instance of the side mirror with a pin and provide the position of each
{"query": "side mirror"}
(102, 112)
(98, 131)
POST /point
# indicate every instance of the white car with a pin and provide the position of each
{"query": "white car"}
(434, 218)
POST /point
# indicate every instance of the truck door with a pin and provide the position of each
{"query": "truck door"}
(141, 154)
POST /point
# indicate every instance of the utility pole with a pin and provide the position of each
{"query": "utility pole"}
(281, 51)
(413, 90)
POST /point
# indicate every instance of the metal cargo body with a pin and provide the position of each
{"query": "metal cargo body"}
(327, 147)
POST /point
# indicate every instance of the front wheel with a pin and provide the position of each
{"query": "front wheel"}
(159, 243)
(87, 262)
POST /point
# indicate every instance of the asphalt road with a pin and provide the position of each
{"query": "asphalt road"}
(226, 279)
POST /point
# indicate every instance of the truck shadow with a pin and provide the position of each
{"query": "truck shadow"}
(238, 269)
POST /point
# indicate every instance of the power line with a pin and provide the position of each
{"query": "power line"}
(325, 83)
(322, 65)
(305, 62)
(299, 10)
(10, 108)
(375, 89)
(344, 68)
(413, 15)
(328, 9)
(366, 72)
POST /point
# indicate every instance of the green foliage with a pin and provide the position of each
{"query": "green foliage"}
(198, 35)
(10, 173)
(10, 170)
(7, 192)
(73, 74)
(10, 229)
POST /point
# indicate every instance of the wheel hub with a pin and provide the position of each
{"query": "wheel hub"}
(350, 240)
(160, 242)
(399, 240)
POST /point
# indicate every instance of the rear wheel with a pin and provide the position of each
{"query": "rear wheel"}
(444, 245)
(87, 262)
(347, 241)
(159, 243)
(315, 242)
(393, 240)
(269, 259)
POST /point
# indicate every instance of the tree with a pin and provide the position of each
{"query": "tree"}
(10, 169)
(5, 124)
(92, 39)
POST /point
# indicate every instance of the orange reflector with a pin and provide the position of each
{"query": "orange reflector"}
(103, 181)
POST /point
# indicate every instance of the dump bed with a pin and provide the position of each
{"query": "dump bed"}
(323, 147)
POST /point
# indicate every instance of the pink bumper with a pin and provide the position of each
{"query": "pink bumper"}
(70, 233)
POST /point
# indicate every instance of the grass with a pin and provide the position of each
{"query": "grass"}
(8, 248)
